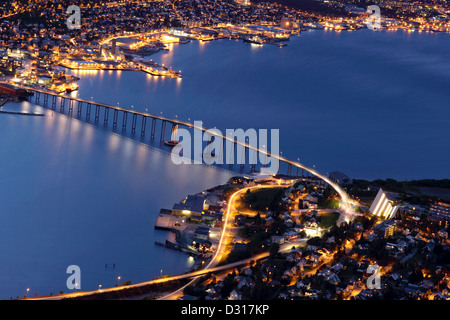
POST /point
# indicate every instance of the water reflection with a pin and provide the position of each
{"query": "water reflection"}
(91, 197)
(113, 142)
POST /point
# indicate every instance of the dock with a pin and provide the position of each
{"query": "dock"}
(167, 221)
(3, 101)
(23, 113)
(177, 247)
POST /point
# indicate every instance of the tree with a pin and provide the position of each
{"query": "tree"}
(257, 219)
(273, 250)
(228, 284)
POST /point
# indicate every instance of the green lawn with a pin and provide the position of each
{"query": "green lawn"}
(328, 204)
(329, 219)
(261, 199)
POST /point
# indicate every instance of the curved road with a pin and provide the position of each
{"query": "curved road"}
(345, 200)
(220, 246)
(210, 267)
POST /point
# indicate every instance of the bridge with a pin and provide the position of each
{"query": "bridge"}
(83, 109)
(135, 122)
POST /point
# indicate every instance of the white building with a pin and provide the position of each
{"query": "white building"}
(385, 205)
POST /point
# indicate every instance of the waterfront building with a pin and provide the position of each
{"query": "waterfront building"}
(201, 233)
(287, 24)
(385, 204)
(192, 206)
(6, 88)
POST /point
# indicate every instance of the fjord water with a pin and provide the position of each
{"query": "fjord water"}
(74, 194)
(370, 104)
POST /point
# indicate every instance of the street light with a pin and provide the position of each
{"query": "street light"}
(118, 280)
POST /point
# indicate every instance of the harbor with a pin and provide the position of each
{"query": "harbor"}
(194, 224)
(11, 93)
(22, 113)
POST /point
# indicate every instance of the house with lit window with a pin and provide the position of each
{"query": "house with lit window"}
(385, 229)
(441, 209)
(192, 206)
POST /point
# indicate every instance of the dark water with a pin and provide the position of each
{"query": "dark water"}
(371, 104)
(72, 193)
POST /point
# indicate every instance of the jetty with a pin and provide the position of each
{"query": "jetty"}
(3, 101)
(22, 113)
(168, 221)
(177, 247)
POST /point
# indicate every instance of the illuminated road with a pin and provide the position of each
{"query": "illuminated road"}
(13, 14)
(284, 248)
(160, 280)
(220, 250)
(210, 267)
(132, 35)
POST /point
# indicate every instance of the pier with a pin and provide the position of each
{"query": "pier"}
(167, 221)
(22, 113)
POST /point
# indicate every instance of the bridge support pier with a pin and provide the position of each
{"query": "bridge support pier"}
(243, 156)
(70, 107)
(88, 111)
(45, 100)
(133, 123)
(152, 135)
(54, 102)
(144, 122)
(97, 112)
(61, 108)
(115, 118)
(106, 116)
(79, 108)
(124, 121)
(163, 130)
